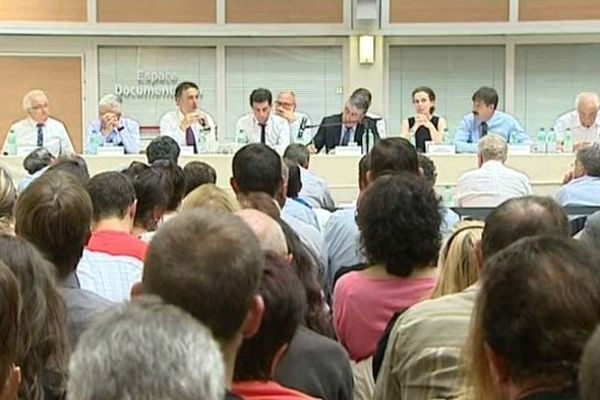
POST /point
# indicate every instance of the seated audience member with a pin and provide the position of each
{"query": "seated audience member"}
(74, 165)
(345, 127)
(258, 168)
(458, 265)
(8, 198)
(163, 148)
(177, 178)
(198, 173)
(185, 268)
(441, 325)
(583, 121)
(285, 107)
(112, 129)
(268, 232)
(146, 350)
(379, 121)
(54, 213)
(36, 163)
(314, 188)
(259, 355)
(10, 306)
(424, 126)
(113, 258)
(399, 227)
(153, 189)
(492, 183)
(295, 205)
(39, 129)
(188, 124)
(591, 231)
(582, 186)
(43, 347)
(485, 119)
(538, 305)
(589, 367)
(263, 125)
(211, 196)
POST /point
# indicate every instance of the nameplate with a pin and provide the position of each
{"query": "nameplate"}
(348, 150)
(110, 151)
(519, 149)
(186, 150)
(435, 148)
(25, 150)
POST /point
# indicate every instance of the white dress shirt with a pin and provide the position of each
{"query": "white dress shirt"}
(277, 130)
(170, 126)
(490, 185)
(56, 138)
(295, 128)
(379, 123)
(580, 132)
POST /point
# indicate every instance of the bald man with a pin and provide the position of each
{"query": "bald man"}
(583, 121)
(267, 230)
(286, 108)
(38, 129)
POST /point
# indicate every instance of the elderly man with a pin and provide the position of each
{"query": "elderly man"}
(485, 119)
(39, 129)
(286, 108)
(112, 129)
(187, 124)
(262, 126)
(583, 121)
(582, 185)
(493, 182)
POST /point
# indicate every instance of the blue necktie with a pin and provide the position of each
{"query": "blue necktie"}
(484, 129)
(40, 135)
(346, 137)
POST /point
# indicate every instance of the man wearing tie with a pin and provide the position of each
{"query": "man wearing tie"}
(486, 119)
(39, 129)
(262, 126)
(187, 125)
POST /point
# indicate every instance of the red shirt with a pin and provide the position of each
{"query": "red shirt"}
(117, 243)
(267, 390)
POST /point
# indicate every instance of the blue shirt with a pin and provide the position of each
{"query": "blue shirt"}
(468, 132)
(127, 135)
(303, 212)
(584, 191)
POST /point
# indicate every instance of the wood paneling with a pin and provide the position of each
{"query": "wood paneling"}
(43, 10)
(285, 11)
(157, 11)
(407, 11)
(59, 77)
(558, 10)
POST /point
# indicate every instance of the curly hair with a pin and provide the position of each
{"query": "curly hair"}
(399, 223)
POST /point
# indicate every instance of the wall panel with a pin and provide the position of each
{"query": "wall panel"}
(558, 10)
(43, 10)
(287, 11)
(157, 11)
(407, 11)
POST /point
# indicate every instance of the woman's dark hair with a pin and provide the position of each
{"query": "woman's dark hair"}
(294, 180)
(399, 222)
(37, 160)
(10, 306)
(153, 189)
(43, 348)
(177, 177)
(430, 94)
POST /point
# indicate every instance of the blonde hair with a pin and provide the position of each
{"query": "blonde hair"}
(212, 196)
(457, 264)
(8, 198)
(493, 147)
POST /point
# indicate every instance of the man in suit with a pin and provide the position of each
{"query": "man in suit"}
(347, 127)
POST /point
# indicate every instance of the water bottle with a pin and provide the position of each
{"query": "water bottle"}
(94, 142)
(241, 139)
(541, 141)
(551, 142)
(448, 196)
(446, 138)
(202, 144)
(568, 142)
(11, 143)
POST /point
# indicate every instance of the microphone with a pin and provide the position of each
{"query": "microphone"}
(302, 127)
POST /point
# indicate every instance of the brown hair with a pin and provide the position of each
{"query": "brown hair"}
(8, 198)
(10, 305)
(55, 213)
(430, 93)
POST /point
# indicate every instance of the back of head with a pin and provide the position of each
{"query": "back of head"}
(589, 370)
(399, 223)
(74, 165)
(146, 350)
(208, 263)
(10, 306)
(428, 167)
(493, 147)
(8, 198)
(37, 160)
(198, 173)
(393, 155)
(522, 217)
(487, 96)
(589, 158)
(298, 154)
(284, 306)
(257, 168)
(294, 182)
(210, 196)
(177, 178)
(269, 233)
(42, 340)
(538, 305)
(163, 148)
(54, 213)
(261, 202)
(112, 193)
(261, 95)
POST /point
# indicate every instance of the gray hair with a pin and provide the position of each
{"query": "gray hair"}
(297, 153)
(146, 350)
(111, 101)
(589, 158)
(493, 147)
(358, 101)
(29, 96)
(587, 96)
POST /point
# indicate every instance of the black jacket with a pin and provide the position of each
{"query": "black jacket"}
(329, 136)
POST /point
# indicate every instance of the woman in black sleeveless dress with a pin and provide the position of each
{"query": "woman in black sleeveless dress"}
(424, 125)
